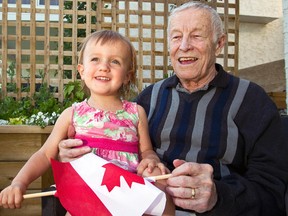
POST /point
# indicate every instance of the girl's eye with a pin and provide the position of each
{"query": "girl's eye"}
(115, 62)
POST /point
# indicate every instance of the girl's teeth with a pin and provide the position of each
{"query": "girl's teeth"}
(102, 78)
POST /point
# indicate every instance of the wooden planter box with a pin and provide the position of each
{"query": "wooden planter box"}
(279, 98)
(17, 144)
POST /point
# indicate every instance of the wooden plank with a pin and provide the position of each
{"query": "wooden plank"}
(226, 26)
(32, 69)
(60, 50)
(140, 47)
(4, 48)
(12, 129)
(88, 15)
(236, 42)
(114, 15)
(46, 42)
(74, 43)
(18, 49)
(20, 150)
(153, 45)
(9, 170)
(165, 42)
(279, 99)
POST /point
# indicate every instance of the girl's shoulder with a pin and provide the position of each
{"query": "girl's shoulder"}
(64, 120)
(79, 104)
(129, 106)
(134, 107)
(67, 113)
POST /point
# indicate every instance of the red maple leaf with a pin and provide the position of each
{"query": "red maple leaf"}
(112, 176)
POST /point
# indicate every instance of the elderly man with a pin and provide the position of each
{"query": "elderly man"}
(219, 135)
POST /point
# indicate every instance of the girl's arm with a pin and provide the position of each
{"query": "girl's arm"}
(148, 157)
(38, 163)
(150, 164)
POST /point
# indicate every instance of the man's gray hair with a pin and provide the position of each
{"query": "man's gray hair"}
(216, 21)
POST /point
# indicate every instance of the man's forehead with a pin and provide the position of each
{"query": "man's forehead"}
(190, 12)
(191, 18)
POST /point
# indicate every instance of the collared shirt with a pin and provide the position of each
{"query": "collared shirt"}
(180, 88)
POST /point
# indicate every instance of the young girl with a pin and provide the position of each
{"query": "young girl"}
(116, 130)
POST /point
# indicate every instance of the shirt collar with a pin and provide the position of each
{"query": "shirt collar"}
(220, 80)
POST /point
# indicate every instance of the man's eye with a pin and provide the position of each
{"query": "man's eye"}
(176, 37)
(95, 59)
(199, 37)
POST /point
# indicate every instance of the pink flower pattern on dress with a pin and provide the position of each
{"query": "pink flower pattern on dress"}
(120, 125)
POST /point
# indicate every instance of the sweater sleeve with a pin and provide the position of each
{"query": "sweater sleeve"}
(143, 99)
(258, 188)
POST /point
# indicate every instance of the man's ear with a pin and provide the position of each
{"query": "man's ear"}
(80, 69)
(220, 44)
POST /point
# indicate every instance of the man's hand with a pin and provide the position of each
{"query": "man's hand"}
(192, 187)
(69, 151)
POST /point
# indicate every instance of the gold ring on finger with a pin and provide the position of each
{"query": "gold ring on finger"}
(193, 193)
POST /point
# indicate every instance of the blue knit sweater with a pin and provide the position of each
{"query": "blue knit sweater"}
(232, 125)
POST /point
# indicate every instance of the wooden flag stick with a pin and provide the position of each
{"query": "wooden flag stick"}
(40, 194)
(159, 177)
(51, 193)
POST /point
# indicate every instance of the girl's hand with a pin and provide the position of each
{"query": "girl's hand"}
(148, 167)
(12, 196)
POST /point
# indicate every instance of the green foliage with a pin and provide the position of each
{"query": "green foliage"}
(42, 109)
(11, 87)
(11, 108)
(73, 92)
(44, 101)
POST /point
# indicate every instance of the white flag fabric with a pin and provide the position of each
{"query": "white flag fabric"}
(91, 185)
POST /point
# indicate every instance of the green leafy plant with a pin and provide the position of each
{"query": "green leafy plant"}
(42, 108)
(11, 72)
(73, 92)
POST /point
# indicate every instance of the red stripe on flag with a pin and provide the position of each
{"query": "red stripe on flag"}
(74, 194)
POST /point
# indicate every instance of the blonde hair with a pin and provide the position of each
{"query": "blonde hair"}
(109, 36)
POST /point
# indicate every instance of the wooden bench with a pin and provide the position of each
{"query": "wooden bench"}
(17, 144)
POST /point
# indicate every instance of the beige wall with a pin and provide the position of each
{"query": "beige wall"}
(269, 8)
(261, 37)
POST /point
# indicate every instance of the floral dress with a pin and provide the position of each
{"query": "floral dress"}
(111, 135)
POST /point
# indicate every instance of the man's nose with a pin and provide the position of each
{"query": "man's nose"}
(185, 44)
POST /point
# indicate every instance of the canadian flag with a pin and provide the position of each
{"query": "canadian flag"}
(91, 185)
